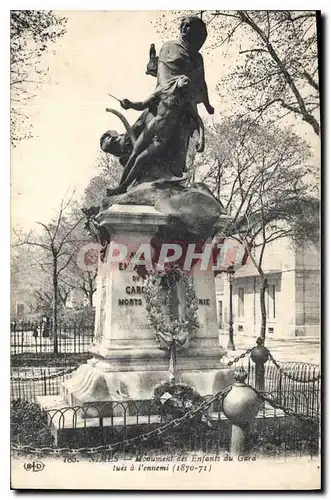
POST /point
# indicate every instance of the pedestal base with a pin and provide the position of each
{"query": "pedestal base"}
(128, 364)
(95, 383)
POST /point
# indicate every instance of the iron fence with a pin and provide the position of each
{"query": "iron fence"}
(139, 427)
(37, 337)
(288, 422)
(295, 385)
(29, 383)
(301, 392)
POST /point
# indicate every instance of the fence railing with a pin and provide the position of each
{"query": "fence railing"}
(29, 383)
(143, 427)
(295, 385)
(37, 337)
(287, 423)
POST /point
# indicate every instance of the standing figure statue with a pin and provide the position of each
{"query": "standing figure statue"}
(182, 56)
(162, 132)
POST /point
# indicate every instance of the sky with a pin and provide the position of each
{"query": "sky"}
(102, 51)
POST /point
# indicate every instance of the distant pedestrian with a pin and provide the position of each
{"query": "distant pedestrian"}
(35, 332)
(45, 327)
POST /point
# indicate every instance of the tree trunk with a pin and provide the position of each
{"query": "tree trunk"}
(55, 304)
(90, 295)
(90, 299)
(263, 288)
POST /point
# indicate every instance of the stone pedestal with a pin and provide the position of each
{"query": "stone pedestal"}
(127, 362)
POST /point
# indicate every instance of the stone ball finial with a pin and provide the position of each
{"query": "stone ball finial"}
(260, 354)
(242, 403)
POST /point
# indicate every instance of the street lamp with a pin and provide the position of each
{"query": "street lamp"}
(230, 272)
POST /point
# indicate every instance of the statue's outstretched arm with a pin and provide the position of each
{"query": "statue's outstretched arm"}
(138, 105)
(205, 96)
(206, 103)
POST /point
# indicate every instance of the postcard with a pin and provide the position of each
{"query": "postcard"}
(165, 250)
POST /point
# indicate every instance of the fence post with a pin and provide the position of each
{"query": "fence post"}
(22, 341)
(280, 389)
(240, 407)
(13, 329)
(259, 354)
(45, 382)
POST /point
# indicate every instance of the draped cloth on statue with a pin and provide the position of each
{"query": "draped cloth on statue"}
(177, 59)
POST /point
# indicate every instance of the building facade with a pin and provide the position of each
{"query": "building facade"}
(292, 296)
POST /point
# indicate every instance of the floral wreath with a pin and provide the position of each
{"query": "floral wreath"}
(176, 399)
(169, 332)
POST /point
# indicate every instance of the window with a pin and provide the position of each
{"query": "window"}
(241, 302)
(271, 302)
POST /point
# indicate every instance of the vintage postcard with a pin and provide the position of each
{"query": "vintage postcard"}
(165, 250)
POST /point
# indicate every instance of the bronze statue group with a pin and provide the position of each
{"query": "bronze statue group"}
(156, 145)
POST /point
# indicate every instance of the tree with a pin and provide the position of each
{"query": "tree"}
(49, 259)
(264, 178)
(88, 285)
(28, 280)
(79, 279)
(57, 243)
(276, 71)
(307, 221)
(110, 174)
(31, 34)
(31, 271)
(76, 277)
(279, 72)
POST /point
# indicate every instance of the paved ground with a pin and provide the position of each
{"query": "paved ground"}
(304, 349)
(297, 349)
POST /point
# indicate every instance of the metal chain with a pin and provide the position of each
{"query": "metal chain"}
(293, 377)
(46, 377)
(242, 355)
(278, 406)
(174, 424)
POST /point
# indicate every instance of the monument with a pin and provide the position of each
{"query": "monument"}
(156, 305)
